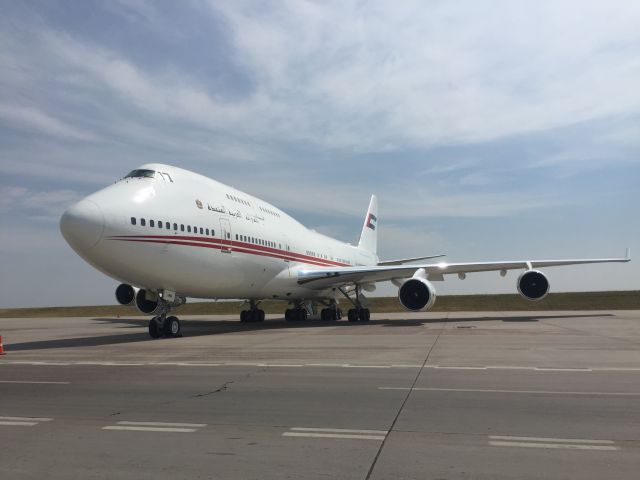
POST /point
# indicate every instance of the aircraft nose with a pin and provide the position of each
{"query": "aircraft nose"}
(82, 225)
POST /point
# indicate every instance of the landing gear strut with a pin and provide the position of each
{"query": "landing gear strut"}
(254, 314)
(359, 313)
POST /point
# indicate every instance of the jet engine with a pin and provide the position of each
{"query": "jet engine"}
(533, 285)
(417, 294)
(126, 294)
(147, 302)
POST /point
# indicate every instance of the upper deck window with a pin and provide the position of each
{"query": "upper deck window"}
(141, 173)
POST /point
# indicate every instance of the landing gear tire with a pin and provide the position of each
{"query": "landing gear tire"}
(359, 315)
(252, 316)
(172, 327)
(338, 313)
(301, 314)
(288, 315)
(154, 328)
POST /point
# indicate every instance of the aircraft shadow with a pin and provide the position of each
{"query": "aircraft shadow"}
(194, 328)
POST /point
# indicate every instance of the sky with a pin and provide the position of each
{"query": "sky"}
(494, 130)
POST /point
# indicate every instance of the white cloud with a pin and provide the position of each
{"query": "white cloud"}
(425, 74)
(33, 119)
(35, 205)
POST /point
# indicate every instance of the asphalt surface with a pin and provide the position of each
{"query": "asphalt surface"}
(553, 395)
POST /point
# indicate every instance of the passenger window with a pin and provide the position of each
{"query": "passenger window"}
(151, 224)
(195, 229)
(189, 228)
(175, 226)
(213, 232)
(168, 225)
(142, 222)
(207, 230)
(201, 231)
(159, 224)
(182, 227)
(133, 220)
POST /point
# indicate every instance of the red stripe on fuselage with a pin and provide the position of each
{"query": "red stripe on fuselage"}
(237, 246)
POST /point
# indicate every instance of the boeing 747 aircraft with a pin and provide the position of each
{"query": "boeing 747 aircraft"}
(168, 234)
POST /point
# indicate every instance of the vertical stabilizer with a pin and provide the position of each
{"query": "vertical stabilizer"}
(369, 236)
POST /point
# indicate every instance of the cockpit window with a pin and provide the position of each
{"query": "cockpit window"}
(141, 174)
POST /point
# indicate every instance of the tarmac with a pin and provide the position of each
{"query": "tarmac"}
(544, 395)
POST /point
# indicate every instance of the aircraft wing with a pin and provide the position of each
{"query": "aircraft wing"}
(327, 277)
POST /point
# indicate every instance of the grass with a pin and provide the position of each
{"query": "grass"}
(626, 300)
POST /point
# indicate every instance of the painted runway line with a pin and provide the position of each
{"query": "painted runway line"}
(29, 382)
(326, 365)
(551, 443)
(23, 421)
(529, 392)
(347, 434)
(168, 427)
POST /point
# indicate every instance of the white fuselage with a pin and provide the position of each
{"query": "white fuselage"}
(185, 233)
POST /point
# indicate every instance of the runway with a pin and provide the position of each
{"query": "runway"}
(430, 395)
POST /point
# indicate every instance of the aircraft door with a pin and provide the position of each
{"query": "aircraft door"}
(286, 248)
(225, 233)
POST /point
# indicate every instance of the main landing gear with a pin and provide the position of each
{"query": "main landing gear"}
(163, 326)
(254, 314)
(295, 314)
(331, 313)
(358, 313)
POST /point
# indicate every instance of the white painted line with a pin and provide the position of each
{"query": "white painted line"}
(508, 367)
(548, 439)
(22, 424)
(332, 435)
(164, 424)
(324, 365)
(337, 365)
(339, 430)
(186, 364)
(552, 445)
(149, 429)
(35, 383)
(540, 392)
(27, 419)
(552, 369)
(458, 368)
(283, 365)
(348, 365)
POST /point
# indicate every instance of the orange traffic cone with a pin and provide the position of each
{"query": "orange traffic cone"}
(1, 347)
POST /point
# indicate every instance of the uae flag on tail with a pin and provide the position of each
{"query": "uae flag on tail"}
(371, 221)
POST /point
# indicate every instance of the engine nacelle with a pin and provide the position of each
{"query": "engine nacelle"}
(533, 285)
(126, 294)
(417, 294)
(147, 302)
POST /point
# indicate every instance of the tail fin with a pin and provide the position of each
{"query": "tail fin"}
(369, 235)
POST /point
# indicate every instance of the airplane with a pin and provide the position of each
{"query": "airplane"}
(167, 233)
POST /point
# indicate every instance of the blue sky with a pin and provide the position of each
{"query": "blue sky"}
(489, 130)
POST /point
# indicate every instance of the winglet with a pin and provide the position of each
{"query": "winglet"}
(627, 255)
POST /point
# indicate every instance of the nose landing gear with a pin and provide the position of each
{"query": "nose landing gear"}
(162, 325)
